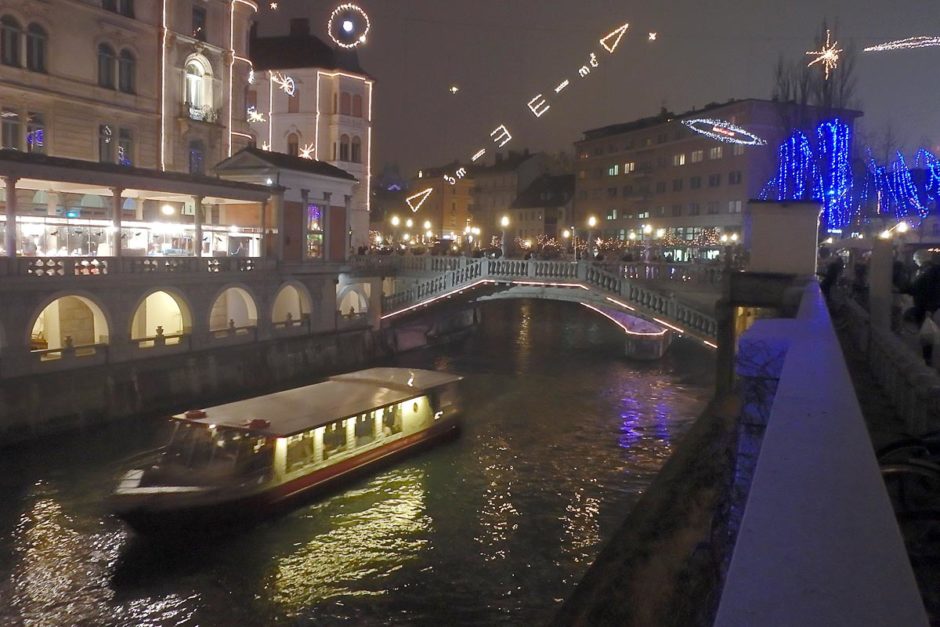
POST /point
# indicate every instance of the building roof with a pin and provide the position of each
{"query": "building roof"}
(665, 117)
(301, 409)
(547, 191)
(301, 49)
(285, 162)
(508, 163)
(36, 166)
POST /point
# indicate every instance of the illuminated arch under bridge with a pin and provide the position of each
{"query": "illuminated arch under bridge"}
(613, 295)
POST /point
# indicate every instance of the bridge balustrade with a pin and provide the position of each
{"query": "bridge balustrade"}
(92, 266)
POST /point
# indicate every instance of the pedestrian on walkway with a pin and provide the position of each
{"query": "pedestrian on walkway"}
(925, 290)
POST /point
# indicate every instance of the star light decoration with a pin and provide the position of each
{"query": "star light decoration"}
(307, 151)
(255, 116)
(828, 56)
(652, 36)
(922, 41)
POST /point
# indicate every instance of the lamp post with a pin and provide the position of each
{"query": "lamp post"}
(566, 235)
(395, 223)
(592, 222)
(504, 222)
(427, 230)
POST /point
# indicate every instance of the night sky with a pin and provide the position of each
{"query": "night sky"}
(501, 53)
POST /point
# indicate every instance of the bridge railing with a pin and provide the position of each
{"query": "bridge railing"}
(650, 301)
(95, 266)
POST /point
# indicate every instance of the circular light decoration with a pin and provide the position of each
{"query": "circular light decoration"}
(348, 26)
(724, 132)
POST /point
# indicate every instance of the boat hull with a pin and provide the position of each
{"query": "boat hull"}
(220, 511)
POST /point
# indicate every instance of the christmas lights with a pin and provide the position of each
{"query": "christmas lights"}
(561, 86)
(285, 83)
(612, 40)
(479, 155)
(348, 26)
(307, 151)
(415, 202)
(922, 41)
(255, 116)
(724, 132)
(538, 106)
(501, 135)
(828, 56)
(652, 36)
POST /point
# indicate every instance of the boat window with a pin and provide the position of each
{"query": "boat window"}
(299, 451)
(365, 430)
(258, 457)
(391, 421)
(334, 439)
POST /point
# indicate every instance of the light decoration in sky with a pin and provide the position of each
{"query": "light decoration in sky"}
(724, 132)
(255, 116)
(828, 56)
(539, 105)
(348, 26)
(922, 41)
(652, 36)
(273, 6)
(307, 151)
(454, 89)
(415, 202)
(285, 83)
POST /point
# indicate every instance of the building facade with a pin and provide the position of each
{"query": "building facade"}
(655, 178)
(446, 211)
(497, 186)
(314, 101)
(544, 209)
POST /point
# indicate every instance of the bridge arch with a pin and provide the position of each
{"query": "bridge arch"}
(161, 312)
(292, 303)
(235, 306)
(68, 318)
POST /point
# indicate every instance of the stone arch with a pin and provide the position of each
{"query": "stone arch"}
(233, 306)
(292, 300)
(351, 298)
(65, 318)
(163, 308)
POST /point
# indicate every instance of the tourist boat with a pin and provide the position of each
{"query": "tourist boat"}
(246, 459)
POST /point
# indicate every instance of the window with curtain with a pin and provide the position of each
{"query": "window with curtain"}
(10, 33)
(36, 48)
(106, 61)
(127, 72)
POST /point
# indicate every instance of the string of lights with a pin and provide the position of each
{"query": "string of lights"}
(922, 41)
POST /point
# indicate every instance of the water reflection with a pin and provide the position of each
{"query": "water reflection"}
(498, 518)
(353, 550)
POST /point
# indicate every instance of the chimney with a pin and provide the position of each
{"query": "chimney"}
(299, 27)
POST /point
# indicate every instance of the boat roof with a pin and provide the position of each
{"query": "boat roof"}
(300, 409)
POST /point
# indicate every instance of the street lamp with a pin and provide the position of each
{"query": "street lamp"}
(592, 222)
(504, 222)
(395, 222)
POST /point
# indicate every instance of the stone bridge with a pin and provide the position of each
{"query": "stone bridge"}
(614, 290)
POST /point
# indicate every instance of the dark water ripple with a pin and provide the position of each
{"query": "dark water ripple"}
(562, 435)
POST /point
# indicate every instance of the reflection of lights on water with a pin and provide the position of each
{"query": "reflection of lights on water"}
(581, 525)
(357, 545)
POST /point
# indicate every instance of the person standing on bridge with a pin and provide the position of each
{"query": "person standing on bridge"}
(925, 290)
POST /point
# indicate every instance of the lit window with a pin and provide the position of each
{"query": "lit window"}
(35, 133)
(715, 153)
(11, 128)
(678, 159)
(36, 48)
(197, 96)
(629, 167)
(697, 156)
(613, 170)
(738, 150)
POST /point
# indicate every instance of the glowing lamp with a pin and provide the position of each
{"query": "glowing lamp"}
(592, 222)
(348, 26)
(648, 228)
(504, 222)
(409, 223)
(566, 234)
(427, 225)
(395, 221)
(660, 232)
(167, 210)
(903, 227)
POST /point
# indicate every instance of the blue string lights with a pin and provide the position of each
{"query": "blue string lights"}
(822, 171)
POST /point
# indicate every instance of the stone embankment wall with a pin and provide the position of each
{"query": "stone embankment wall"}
(40, 405)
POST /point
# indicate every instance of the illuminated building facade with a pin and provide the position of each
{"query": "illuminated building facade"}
(152, 86)
(497, 186)
(544, 208)
(656, 177)
(311, 100)
(448, 207)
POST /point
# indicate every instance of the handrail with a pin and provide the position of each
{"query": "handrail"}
(818, 543)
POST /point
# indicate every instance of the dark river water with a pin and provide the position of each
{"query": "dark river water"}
(561, 436)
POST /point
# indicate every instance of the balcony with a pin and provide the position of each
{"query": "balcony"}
(200, 113)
